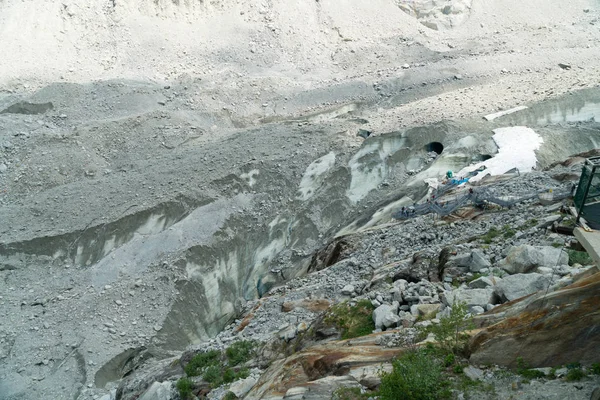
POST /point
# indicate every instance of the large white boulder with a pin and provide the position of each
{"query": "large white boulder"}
(516, 286)
(472, 297)
(386, 315)
(523, 259)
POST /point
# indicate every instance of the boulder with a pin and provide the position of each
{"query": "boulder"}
(482, 282)
(390, 321)
(474, 374)
(523, 259)
(516, 286)
(544, 329)
(396, 295)
(370, 375)
(477, 261)
(348, 290)
(158, 391)
(384, 314)
(472, 297)
(243, 386)
(427, 311)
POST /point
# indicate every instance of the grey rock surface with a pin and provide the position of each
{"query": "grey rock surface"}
(516, 286)
(526, 258)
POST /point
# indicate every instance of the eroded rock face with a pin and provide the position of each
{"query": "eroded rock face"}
(312, 370)
(436, 14)
(546, 330)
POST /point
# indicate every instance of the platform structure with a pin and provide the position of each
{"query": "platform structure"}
(587, 196)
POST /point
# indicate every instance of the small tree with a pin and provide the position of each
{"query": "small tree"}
(449, 332)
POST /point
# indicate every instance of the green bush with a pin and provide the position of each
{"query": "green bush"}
(508, 232)
(524, 370)
(448, 332)
(184, 387)
(213, 375)
(449, 360)
(240, 352)
(575, 374)
(230, 396)
(416, 376)
(230, 375)
(353, 321)
(579, 257)
(491, 235)
(595, 368)
(201, 361)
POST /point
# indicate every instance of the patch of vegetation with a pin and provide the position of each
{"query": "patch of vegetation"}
(212, 368)
(240, 352)
(449, 332)
(184, 387)
(230, 396)
(351, 394)
(557, 245)
(416, 376)
(216, 375)
(595, 368)
(524, 370)
(353, 321)
(579, 257)
(575, 374)
(492, 234)
(449, 360)
(508, 232)
(202, 361)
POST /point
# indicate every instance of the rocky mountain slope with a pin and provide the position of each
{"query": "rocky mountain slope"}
(167, 166)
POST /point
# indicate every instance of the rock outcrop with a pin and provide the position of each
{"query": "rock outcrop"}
(309, 373)
(551, 329)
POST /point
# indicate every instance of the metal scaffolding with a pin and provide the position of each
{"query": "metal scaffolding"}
(587, 196)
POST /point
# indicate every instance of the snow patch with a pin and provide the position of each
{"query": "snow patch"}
(516, 149)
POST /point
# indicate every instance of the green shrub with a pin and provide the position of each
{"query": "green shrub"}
(508, 232)
(230, 375)
(449, 360)
(458, 369)
(575, 374)
(230, 396)
(201, 361)
(240, 352)
(524, 370)
(416, 376)
(448, 332)
(579, 257)
(213, 375)
(491, 235)
(353, 321)
(595, 368)
(184, 387)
